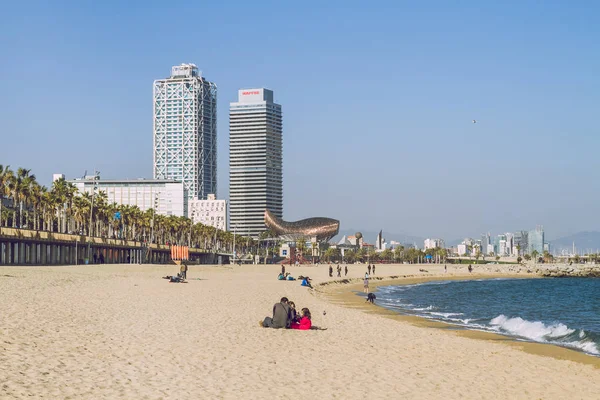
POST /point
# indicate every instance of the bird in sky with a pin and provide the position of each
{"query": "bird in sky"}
(474, 121)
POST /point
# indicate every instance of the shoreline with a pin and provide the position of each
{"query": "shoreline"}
(344, 293)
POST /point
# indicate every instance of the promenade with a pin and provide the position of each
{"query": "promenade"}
(29, 247)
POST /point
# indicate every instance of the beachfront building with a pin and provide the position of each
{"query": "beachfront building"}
(462, 249)
(536, 241)
(210, 212)
(167, 197)
(185, 130)
(433, 244)
(255, 160)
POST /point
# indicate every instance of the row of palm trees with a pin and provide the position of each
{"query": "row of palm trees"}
(26, 204)
(399, 254)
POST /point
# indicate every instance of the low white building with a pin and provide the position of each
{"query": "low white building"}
(433, 243)
(462, 249)
(167, 197)
(210, 212)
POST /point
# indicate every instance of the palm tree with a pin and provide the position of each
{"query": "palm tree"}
(399, 253)
(6, 176)
(534, 255)
(386, 255)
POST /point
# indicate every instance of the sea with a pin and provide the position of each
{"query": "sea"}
(559, 311)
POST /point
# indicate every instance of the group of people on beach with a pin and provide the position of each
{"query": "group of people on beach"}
(286, 316)
(286, 276)
(339, 271)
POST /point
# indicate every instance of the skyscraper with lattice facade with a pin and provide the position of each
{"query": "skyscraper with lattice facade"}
(185, 130)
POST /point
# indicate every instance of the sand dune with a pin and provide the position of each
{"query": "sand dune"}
(120, 331)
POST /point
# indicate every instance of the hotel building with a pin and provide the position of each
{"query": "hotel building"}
(255, 160)
(185, 130)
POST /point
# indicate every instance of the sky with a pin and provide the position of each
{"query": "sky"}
(378, 101)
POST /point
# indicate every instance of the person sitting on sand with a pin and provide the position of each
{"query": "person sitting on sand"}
(305, 323)
(281, 316)
(306, 282)
(289, 277)
(281, 277)
(294, 317)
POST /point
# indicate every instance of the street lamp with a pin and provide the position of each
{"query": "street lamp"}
(191, 225)
(153, 214)
(94, 187)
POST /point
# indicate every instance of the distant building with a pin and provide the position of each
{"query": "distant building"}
(536, 241)
(380, 243)
(521, 243)
(502, 249)
(433, 244)
(167, 197)
(57, 177)
(489, 249)
(510, 240)
(485, 241)
(462, 249)
(210, 212)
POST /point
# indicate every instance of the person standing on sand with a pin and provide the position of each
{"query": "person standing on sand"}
(281, 316)
(345, 270)
(283, 269)
(445, 268)
(366, 284)
(339, 271)
(330, 271)
(373, 269)
(369, 268)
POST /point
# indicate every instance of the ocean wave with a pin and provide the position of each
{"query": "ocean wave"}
(424, 308)
(535, 330)
(445, 315)
(556, 333)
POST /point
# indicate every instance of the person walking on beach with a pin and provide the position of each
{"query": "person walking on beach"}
(339, 271)
(366, 284)
(281, 316)
(369, 268)
(373, 269)
(445, 268)
(330, 271)
(282, 269)
(345, 270)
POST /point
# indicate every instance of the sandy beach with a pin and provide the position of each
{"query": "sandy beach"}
(120, 331)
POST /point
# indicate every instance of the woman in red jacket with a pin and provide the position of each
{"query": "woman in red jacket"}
(305, 322)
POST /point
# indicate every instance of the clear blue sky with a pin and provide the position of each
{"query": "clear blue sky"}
(378, 99)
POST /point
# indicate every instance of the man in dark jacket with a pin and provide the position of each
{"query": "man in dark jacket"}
(281, 315)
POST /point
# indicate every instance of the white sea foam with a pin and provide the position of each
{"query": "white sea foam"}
(424, 308)
(587, 346)
(540, 332)
(445, 315)
(531, 330)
